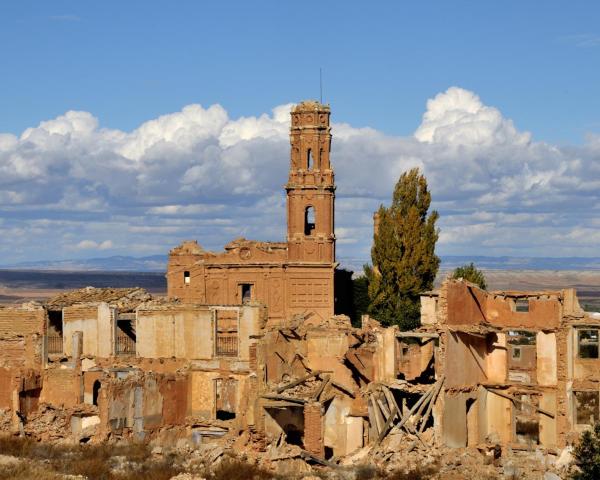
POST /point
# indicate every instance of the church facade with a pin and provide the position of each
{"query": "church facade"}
(292, 277)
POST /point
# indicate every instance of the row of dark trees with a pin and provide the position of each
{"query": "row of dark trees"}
(404, 263)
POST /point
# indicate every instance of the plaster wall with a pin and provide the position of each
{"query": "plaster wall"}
(548, 427)
(496, 360)
(465, 359)
(546, 359)
(96, 322)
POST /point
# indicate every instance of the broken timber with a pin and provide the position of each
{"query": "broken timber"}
(299, 381)
(514, 399)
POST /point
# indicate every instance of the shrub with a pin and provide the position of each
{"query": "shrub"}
(587, 455)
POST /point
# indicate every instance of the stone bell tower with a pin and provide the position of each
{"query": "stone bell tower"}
(310, 188)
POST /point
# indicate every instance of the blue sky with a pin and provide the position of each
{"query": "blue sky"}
(131, 61)
(510, 139)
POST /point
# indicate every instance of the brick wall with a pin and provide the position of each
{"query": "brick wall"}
(62, 387)
(79, 312)
(313, 429)
(5, 388)
(22, 320)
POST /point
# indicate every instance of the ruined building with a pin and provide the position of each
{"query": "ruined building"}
(247, 342)
(288, 277)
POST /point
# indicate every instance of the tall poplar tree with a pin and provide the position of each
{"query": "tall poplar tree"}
(403, 253)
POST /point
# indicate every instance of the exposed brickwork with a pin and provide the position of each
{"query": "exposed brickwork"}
(79, 312)
(313, 429)
(62, 387)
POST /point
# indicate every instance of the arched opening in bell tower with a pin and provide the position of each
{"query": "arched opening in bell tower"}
(309, 220)
(309, 160)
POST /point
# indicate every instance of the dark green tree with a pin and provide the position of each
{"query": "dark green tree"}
(587, 455)
(403, 253)
(472, 274)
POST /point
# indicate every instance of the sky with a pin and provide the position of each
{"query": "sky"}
(127, 127)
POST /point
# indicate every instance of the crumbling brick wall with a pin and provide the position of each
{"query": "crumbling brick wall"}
(21, 336)
(313, 429)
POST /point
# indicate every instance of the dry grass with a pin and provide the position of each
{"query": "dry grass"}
(233, 469)
(42, 461)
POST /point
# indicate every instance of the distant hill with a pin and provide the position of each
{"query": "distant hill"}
(158, 263)
(450, 262)
(153, 263)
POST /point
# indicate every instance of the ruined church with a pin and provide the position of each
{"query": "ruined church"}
(288, 277)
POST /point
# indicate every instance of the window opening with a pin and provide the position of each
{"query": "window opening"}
(309, 221)
(246, 290)
(586, 408)
(125, 337)
(309, 160)
(226, 333)
(95, 392)
(522, 305)
(55, 332)
(516, 353)
(225, 398)
(527, 423)
(587, 343)
(186, 278)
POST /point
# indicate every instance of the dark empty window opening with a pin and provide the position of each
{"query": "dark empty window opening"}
(246, 292)
(522, 305)
(516, 353)
(55, 332)
(309, 160)
(309, 220)
(225, 398)
(95, 392)
(125, 337)
(186, 278)
(293, 435)
(586, 408)
(587, 341)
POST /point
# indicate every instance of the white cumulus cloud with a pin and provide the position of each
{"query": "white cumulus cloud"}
(198, 173)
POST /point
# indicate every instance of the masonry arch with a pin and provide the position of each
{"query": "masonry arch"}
(310, 220)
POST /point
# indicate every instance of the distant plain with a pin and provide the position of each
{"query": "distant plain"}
(26, 285)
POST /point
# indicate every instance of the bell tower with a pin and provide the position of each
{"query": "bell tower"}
(310, 188)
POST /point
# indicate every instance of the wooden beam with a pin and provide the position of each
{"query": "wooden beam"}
(322, 387)
(285, 398)
(431, 404)
(299, 381)
(343, 388)
(380, 421)
(309, 456)
(405, 418)
(417, 335)
(514, 399)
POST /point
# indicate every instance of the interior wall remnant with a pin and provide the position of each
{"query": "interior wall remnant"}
(495, 417)
(465, 359)
(472, 422)
(497, 358)
(455, 420)
(546, 359)
(548, 424)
